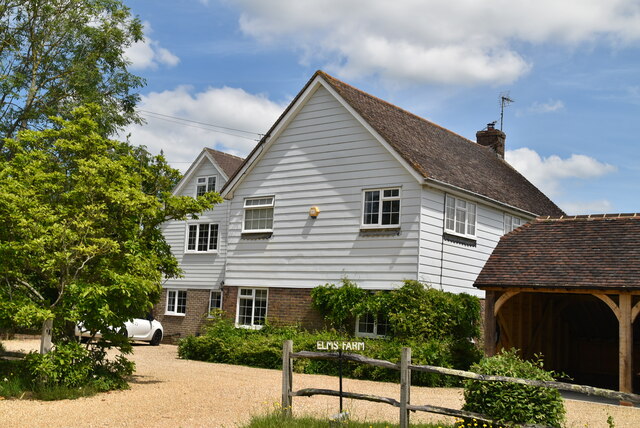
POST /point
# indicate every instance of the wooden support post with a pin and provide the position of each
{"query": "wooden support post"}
(405, 386)
(626, 344)
(489, 324)
(287, 377)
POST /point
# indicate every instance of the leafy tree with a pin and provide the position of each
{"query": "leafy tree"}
(80, 220)
(56, 55)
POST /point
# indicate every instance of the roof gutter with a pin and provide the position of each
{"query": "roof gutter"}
(441, 185)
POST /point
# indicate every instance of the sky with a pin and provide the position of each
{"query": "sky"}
(219, 73)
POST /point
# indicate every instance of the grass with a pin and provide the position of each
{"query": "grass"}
(275, 420)
(13, 382)
(53, 393)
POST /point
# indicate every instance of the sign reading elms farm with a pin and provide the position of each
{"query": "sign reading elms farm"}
(337, 345)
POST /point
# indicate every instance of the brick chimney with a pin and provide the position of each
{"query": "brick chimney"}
(492, 137)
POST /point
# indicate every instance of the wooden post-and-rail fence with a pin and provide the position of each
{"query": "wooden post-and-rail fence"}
(405, 367)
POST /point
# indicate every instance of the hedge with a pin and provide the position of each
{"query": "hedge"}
(222, 342)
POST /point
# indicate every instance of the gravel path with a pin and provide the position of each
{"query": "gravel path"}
(169, 392)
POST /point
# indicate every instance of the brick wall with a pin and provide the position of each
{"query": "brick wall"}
(285, 306)
(229, 301)
(175, 326)
(289, 306)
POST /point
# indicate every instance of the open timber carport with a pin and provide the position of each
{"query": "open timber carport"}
(569, 288)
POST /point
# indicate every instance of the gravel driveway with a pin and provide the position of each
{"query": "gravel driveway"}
(169, 392)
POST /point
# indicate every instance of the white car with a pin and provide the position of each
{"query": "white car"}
(145, 330)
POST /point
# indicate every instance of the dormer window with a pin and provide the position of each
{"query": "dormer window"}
(205, 184)
(460, 217)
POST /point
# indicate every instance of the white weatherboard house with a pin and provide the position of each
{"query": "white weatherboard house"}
(200, 247)
(347, 185)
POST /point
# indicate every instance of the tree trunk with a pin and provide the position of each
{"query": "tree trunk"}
(45, 340)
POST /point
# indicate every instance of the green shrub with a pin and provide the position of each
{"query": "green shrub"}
(418, 311)
(514, 403)
(415, 311)
(438, 326)
(223, 343)
(68, 364)
(71, 365)
(339, 304)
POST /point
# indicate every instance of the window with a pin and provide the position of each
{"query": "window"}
(252, 307)
(460, 216)
(205, 184)
(381, 208)
(511, 222)
(215, 300)
(370, 325)
(176, 302)
(202, 237)
(258, 214)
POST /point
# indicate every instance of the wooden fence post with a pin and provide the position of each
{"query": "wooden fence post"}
(405, 386)
(287, 377)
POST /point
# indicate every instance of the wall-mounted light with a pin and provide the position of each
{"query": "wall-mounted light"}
(314, 211)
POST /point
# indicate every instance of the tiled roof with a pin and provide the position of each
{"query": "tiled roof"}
(592, 252)
(228, 163)
(435, 152)
(442, 155)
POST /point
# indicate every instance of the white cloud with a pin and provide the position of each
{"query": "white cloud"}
(149, 54)
(183, 141)
(590, 207)
(547, 173)
(430, 41)
(548, 107)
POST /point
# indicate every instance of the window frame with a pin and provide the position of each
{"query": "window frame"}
(376, 323)
(246, 208)
(512, 222)
(206, 183)
(457, 201)
(253, 325)
(381, 201)
(197, 243)
(211, 292)
(174, 310)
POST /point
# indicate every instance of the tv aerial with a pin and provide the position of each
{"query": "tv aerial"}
(505, 100)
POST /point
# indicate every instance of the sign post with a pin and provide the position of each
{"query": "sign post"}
(338, 345)
(340, 376)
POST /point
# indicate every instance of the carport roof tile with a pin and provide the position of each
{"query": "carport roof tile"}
(587, 252)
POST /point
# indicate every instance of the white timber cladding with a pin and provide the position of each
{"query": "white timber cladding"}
(201, 269)
(325, 158)
(454, 266)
